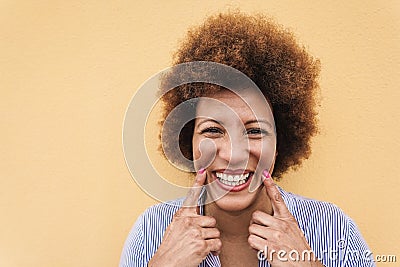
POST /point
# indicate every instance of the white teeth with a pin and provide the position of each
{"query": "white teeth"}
(232, 180)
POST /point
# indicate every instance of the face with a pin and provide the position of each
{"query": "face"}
(234, 139)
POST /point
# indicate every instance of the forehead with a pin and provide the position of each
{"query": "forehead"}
(246, 104)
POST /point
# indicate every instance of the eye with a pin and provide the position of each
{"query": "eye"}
(212, 131)
(256, 132)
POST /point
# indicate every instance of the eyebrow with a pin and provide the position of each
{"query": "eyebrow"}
(259, 121)
(212, 120)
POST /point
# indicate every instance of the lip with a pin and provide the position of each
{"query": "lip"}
(237, 188)
(233, 172)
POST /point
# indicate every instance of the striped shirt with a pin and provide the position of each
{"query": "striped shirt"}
(332, 235)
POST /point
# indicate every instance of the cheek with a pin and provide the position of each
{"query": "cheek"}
(204, 152)
(263, 152)
(196, 148)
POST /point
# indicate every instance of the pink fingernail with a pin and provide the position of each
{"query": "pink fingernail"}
(266, 174)
(202, 170)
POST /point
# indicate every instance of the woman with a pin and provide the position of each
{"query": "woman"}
(242, 218)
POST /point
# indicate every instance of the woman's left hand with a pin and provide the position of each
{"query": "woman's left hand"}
(278, 235)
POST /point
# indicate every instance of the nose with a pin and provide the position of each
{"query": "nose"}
(235, 151)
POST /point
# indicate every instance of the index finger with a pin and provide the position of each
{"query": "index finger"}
(275, 196)
(190, 202)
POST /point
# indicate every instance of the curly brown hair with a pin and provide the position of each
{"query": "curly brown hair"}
(270, 56)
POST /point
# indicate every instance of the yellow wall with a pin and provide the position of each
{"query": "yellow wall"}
(68, 70)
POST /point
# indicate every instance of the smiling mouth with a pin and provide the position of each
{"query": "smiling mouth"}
(232, 180)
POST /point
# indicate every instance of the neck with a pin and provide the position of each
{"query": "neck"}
(234, 225)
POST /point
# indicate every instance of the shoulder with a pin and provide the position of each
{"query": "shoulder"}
(317, 218)
(331, 233)
(147, 233)
(311, 213)
(159, 216)
(164, 208)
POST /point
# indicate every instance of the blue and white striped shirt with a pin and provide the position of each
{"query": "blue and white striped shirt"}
(332, 235)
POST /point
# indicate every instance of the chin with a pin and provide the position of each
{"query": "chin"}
(232, 201)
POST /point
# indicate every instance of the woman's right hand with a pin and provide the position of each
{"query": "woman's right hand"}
(190, 237)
